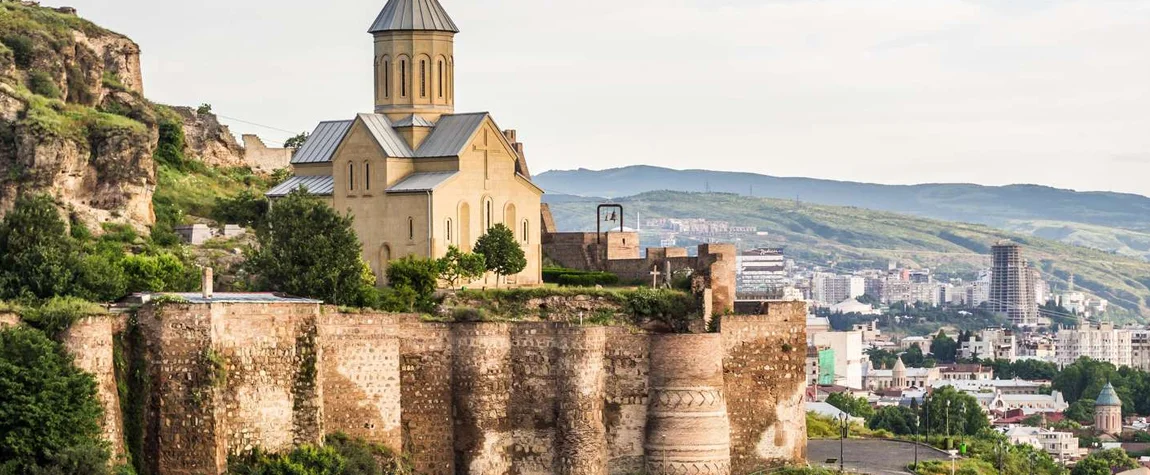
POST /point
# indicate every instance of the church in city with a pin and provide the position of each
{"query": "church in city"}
(417, 176)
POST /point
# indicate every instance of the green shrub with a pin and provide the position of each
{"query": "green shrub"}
(417, 274)
(340, 455)
(23, 49)
(158, 273)
(589, 279)
(116, 232)
(42, 83)
(56, 315)
(246, 209)
(101, 278)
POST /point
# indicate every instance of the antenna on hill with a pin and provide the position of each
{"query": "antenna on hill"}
(707, 185)
(752, 191)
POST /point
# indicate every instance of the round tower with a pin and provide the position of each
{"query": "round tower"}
(414, 60)
(898, 374)
(1108, 411)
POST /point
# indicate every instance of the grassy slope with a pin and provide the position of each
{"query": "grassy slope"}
(855, 237)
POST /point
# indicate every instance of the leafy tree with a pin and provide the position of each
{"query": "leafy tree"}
(1085, 378)
(502, 252)
(417, 274)
(955, 412)
(944, 348)
(308, 249)
(49, 414)
(898, 420)
(1081, 411)
(881, 358)
(458, 266)
(37, 257)
(858, 407)
(158, 273)
(296, 142)
(246, 209)
(204, 108)
(913, 357)
(101, 278)
(1104, 462)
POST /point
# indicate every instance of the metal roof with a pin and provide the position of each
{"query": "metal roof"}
(322, 142)
(413, 121)
(418, 182)
(381, 129)
(451, 135)
(1108, 397)
(406, 15)
(322, 185)
(228, 297)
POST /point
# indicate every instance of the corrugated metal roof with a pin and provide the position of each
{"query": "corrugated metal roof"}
(393, 145)
(451, 135)
(405, 15)
(321, 185)
(421, 182)
(413, 121)
(228, 297)
(322, 142)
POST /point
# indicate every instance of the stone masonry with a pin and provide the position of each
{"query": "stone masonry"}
(481, 398)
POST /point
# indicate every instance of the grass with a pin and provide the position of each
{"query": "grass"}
(195, 192)
(855, 238)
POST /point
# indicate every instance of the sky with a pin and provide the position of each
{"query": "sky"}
(886, 91)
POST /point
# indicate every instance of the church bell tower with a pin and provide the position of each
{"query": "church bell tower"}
(414, 60)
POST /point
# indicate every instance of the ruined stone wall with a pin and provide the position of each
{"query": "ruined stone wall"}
(589, 252)
(262, 158)
(90, 341)
(763, 364)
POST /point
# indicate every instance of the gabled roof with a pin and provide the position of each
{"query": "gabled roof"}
(420, 182)
(413, 15)
(413, 121)
(385, 135)
(322, 142)
(451, 135)
(322, 185)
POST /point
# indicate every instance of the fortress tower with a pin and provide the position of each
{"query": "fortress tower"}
(414, 60)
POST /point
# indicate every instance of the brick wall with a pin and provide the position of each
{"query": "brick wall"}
(426, 360)
(360, 368)
(90, 341)
(763, 364)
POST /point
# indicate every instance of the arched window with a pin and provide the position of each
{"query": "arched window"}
(422, 78)
(410, 227)
(403, 78)
(366, 176)
(440, 78)
(448, 231)
(386, 77)
(488, 214)
(350, 177)
(526, 231)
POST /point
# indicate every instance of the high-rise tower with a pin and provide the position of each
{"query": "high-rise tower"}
(414, 61)
(1012, 286)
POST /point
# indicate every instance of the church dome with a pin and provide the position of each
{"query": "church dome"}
(1108, 397)
(413, 15)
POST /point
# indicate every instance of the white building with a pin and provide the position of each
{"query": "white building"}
(829, 289)
(1062, 446)
(1027, 403)
(993, 343)
(761, 272)
(849, 357)
(1101, 342)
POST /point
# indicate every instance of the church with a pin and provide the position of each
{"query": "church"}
(417, 176)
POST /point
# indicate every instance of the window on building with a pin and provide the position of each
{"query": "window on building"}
(526, 231)
(448, 232)
(351, 177)
(366, 176)
(386, 78)
(441, 78)
(403, 78)
(422, 78)
(487, 210)
(410, 227)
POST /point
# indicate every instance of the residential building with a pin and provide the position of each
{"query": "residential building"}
(1102, 342)
(1062, 446)
(977, 293)
(1140, 349)
(761, 273)
(966, 372)
(849, 357)
(922, 342)
(1012, 287)
(993, 343)
(829, 289)
(812, 366)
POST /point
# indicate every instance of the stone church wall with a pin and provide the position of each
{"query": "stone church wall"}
(508, 397)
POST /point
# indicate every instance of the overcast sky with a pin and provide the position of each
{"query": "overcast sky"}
(887, 91)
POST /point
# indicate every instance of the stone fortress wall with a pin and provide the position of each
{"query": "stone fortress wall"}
(483, 398)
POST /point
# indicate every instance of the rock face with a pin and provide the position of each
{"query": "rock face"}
(209, 141)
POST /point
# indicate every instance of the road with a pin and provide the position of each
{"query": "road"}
(878, 457)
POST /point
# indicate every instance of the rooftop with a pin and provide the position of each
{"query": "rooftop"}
(413, 15)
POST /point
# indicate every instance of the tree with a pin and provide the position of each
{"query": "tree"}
(857, 407)
(309, 250)
(418, 275)
(246, 209)
(37, 257)
(502, 252)
(954, 412)
(296, 142)
(49, 414)
(881, 358)
(458, 266)
(944, 348)
(1104, 462)
(913, 357)
(898, 420)
(204, 108)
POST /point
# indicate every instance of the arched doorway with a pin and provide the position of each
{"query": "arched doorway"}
(384, 261)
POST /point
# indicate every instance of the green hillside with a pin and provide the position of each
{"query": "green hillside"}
(855, 238)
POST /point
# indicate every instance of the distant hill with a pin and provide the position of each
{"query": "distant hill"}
(1033, 209)
(854, 237)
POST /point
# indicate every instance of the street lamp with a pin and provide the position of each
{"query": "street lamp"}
(1001, 449)
(843, 425)
(948, 423)
(915, 470)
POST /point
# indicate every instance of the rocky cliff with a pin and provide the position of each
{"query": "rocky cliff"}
(74, 122)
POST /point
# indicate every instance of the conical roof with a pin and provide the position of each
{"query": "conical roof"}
(1108, 397)
(413, 15)
(899, 365)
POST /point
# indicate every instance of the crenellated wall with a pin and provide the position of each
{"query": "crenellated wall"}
(482, 398)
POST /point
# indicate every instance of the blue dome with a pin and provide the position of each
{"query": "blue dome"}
(1108, 397)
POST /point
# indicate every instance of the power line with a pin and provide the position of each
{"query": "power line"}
(258, 125)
